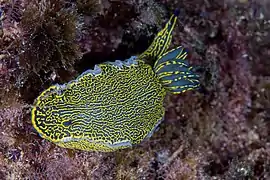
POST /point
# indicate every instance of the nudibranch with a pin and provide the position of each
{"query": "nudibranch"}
(117, 104)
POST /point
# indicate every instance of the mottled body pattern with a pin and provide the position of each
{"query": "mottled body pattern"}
(77, 115)
(117, 104)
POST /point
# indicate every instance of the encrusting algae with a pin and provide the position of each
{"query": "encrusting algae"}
(118, 104)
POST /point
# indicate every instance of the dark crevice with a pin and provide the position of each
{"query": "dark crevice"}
(124, 51)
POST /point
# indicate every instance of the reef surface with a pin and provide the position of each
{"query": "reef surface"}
(219, 132)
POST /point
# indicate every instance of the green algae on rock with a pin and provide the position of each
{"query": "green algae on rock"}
(117, 104)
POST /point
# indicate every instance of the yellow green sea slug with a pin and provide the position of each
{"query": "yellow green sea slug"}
(117, 104)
